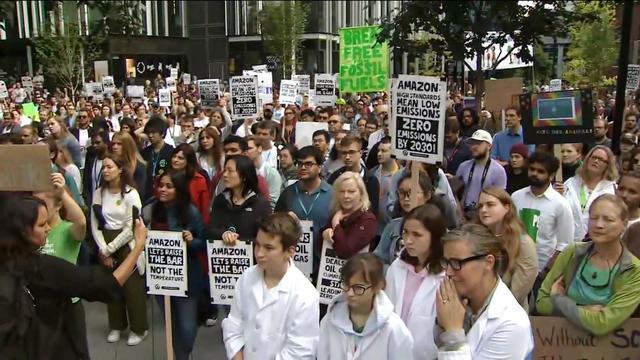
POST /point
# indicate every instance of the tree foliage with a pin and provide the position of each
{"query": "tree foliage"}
(594, 45)
(542, 64)
(123, 17)
(282, 25)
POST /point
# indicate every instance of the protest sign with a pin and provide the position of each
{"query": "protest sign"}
(469, 102)
(173, 74)
(417, 126)
(288, 92)
(171, 83)
(305, 130)
(555, 85)
(557, 338)
(135, 91)
(164, 97)
(31, 111)
(186, 79)
(557, 117)
(27, 83)
(244, 96)
(260, 68)
(31, 173)
(166, 258)
(94, 90)
(108, 86)
(498, 93)
(304, 83)
(38, 81)
(325, 90)
(226, 264)
(209, 91)
(265, 86)
(329, 284)
(3, 90)
(633, 78)
(364, 63)
(303, 258)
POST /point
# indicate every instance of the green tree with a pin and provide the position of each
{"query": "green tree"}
(594, 45)
(123, 17)
(282, 25)
(542, 64)
(468, 28)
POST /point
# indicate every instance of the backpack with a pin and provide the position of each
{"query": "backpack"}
(18, 319)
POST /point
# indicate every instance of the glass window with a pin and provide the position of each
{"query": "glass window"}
(175, 18)
(252, 17)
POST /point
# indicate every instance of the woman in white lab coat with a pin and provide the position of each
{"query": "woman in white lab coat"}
(360, 323)
(478, 316)
(414, 277)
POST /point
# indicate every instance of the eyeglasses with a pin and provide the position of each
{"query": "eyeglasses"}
(457, 264)
(306, 164)
(599, 159)
(407, 194)
(594, 275)
(357, 289)
(349, 152)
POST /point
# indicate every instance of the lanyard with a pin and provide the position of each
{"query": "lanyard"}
(304, 208)
(482, 179)
(453, 153)
(156, 157)
(583, 197)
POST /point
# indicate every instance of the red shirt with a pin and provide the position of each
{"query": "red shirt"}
(200, 195)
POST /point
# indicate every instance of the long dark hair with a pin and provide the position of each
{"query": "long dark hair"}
(213, 155)
(425, 185)
(247, 172)
(126, 178)
(431, 218)
(190, 156)
(182, 204)
(19, 215)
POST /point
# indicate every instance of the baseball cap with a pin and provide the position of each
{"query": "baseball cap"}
(481, 135)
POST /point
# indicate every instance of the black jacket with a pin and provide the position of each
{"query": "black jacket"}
(242, 219)
(157, 164)
(370, 182)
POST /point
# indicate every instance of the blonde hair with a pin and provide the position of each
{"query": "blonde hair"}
(64, 131)
(337, 186)
(610, 173)
(130, 153)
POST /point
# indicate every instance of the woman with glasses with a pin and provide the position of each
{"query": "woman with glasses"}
(595, 284)
(478, 317)
(64, 138)
(361, 323)
(413, 278)
(596, 176)
(289, 124)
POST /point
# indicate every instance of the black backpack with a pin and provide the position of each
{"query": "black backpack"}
(18, 319)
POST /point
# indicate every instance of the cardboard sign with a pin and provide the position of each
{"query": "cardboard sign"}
(364, 63)
(38, 81)
(325, 90)
(557, 117)
(304, 83)
(186, 79)
(226, 265)
(305, 130)
(108, 85)
(135, 91)
(209, 91)
(3, 90)
(329, 284)
(166, 258)
(27, 83)
(417, 125)
(164, 97)
(288, 92)
(498, 93)
(303, 258)
(244, 96)
(555, 85)
(558, 339)
(171, 83)
(94, 90)
(25, 168)
(633, 78)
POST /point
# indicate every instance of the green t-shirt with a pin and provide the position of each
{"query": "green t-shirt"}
(61, 244)
(592, 286)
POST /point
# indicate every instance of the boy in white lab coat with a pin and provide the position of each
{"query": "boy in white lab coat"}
(275, 310)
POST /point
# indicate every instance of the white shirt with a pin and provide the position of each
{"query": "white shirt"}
(25, 120)
(581, 215)
(375, 138)
(85, 141)
(270, 157)
(554, 221)
(201, 123)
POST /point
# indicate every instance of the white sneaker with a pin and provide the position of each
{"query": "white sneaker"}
(135, 339)
(114, 336)
(211, 322)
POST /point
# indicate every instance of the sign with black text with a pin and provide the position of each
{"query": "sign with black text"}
(244, 96)
(209, 91)
(164, 97)
(633, 78)
(329, 285)
(108, 85)
(325, 90)
(303, 257)
(94, 90)
(166, 259)
(38, 81)
(226, 265)
(288, 92)
(27, 83)
(186, 79)
(135, 91)
(304, 83)
(417, 125)
(171, 83)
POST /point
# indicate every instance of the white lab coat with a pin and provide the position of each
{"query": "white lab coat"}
(581, 216)
(503, 331)
(385, 337)
(279, 327)
(422, 315)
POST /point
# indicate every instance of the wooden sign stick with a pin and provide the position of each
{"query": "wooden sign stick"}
(168, 330)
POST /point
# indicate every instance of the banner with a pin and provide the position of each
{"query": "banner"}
(364, 63)
(244, 96)
(288, 92)
(209, 91)
(186, 79)
(633, 78)
(31, 173)
(555, 85)
(27, 83)
(171, 83)
(135, 91)
(3, 90)
(325, 90)
(329, 285)
(226, 265)
(164, 97)
(304, 83)
(108, 85)
(94, 90)
(166, 258)
(557, 117)
(303, 257)
(417, 125)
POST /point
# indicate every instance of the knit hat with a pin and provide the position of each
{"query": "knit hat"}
(521, 149)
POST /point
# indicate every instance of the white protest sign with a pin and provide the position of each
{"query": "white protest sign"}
(108, 85)
(288, 92)
(166, 258)
(555, 85)
(312, 95)
(93, 89)
(329, 284)
(265, 87)
(303, 258)
(417, 126)
(38, 81)
(226, 265)
(325, 90)
(171, 83)
(633, 78)
(304, 83)
(186, 79)
(209, 91)
(173, 74)
(164, 97)
(244, 96)
(3, 90)
(260, 68)
(305, 130)
(27, 83)
(135, 91)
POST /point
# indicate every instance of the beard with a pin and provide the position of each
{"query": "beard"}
(480, 156)
(535, 182)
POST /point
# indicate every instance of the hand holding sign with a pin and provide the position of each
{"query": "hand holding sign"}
(229, 238)
(187, 236)
(140, 232)
(327, 236)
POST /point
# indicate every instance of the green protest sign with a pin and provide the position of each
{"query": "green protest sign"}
(31, 111)
(364, 65)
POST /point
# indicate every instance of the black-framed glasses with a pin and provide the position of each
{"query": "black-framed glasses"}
(457, 264)
(357, 289)
(589, 279)
(306, 164)
(407, 194)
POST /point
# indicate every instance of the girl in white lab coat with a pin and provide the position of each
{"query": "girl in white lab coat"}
(478, 316)
(414, 277)
(275, 309)
(361, 323)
